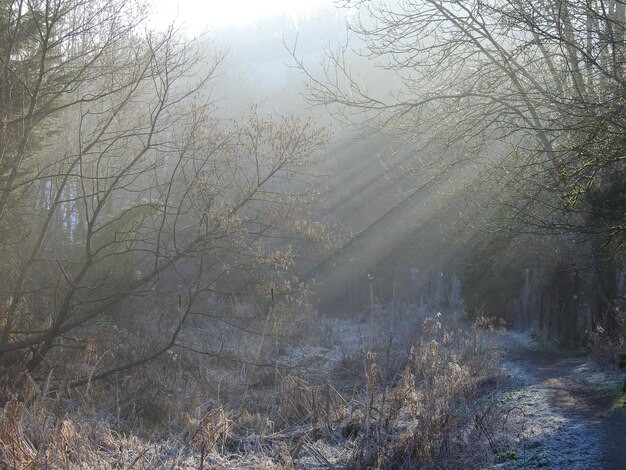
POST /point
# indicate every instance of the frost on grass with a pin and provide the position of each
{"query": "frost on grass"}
(544, 435)
(556, 406)
(345, 399)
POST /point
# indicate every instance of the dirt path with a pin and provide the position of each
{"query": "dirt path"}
(567, 411)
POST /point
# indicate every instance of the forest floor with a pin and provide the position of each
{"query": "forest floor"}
(566, 410)
(541, 407)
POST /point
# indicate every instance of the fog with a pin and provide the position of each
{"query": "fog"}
(365, 193)
(310, 234)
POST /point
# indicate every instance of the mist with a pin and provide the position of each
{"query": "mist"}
(326, 235)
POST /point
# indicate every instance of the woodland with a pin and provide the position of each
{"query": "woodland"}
(242, 249)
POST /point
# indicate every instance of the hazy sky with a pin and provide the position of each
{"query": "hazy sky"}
(198, 15)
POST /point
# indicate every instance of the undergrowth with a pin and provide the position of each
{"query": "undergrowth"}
(416, 398)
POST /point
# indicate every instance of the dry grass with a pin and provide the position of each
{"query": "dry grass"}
(409, 400)
(436, 416)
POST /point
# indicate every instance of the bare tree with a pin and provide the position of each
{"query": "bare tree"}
(513, 106)
(510, 87)
(119, 184)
